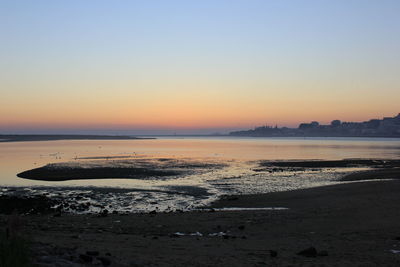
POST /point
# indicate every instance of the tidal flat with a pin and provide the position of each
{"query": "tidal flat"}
(128, 167)
(173, 197)
(245, 206)
(339, 225)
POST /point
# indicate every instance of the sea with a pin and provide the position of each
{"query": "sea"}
(239, 174)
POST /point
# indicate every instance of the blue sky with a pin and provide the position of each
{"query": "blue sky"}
(195, 65)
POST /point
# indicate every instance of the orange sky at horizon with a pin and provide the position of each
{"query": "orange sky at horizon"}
(177, 116)
(187, 106)
(196, 64)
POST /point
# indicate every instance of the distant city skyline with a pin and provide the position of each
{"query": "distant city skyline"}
(176, 131)
(195, 67)
(383, 127)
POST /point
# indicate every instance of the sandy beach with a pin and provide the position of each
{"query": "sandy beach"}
(350, 224)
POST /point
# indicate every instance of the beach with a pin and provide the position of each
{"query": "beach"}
(350, 224)
(200, 204)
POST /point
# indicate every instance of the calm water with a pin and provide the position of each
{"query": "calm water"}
(239, 154)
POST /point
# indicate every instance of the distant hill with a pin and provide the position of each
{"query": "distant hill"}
(386, 127)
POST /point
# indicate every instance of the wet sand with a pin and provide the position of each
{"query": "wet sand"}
(65, 174)
(354, 224)
(141, 168)
(128, 167)
(392, 173)
(377, 163)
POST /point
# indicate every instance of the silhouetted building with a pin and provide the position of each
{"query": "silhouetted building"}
(336, 123)
(387, 127)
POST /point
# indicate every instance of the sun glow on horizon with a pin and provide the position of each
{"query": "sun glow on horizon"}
(204, 65)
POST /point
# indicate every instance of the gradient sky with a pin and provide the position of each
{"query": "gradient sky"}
(195, 66)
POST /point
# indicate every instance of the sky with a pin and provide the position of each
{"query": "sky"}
(195, 66)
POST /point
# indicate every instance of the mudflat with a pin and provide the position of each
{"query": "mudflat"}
(141, 168)
(350, 224)
(128, 167)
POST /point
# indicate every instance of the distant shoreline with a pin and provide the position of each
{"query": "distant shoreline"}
(58, 137)
(317, 136)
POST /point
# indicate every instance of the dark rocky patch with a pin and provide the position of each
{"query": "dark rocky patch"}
(322, 253)
(273, 253)
(86, 258)
(105, 261)
(26, 205)
(92, 253)
(308, 252)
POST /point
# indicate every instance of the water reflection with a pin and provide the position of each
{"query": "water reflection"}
(239, 155)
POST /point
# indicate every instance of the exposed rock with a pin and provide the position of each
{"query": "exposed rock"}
(86, 258)
(105, 261)
(103, 213)
(92, 253)
(309, 252)
(26, 205)
(322, 253)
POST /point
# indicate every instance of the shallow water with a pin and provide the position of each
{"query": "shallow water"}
(240, 156)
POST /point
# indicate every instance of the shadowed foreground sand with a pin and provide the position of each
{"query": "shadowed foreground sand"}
(354, 224)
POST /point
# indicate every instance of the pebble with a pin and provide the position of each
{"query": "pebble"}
(322, 253)
(86, 258)
(273, 253)
(309, 252)
(105, 261)
(92, 253)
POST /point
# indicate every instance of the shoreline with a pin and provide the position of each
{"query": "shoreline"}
(348, 224)
(62, 137)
